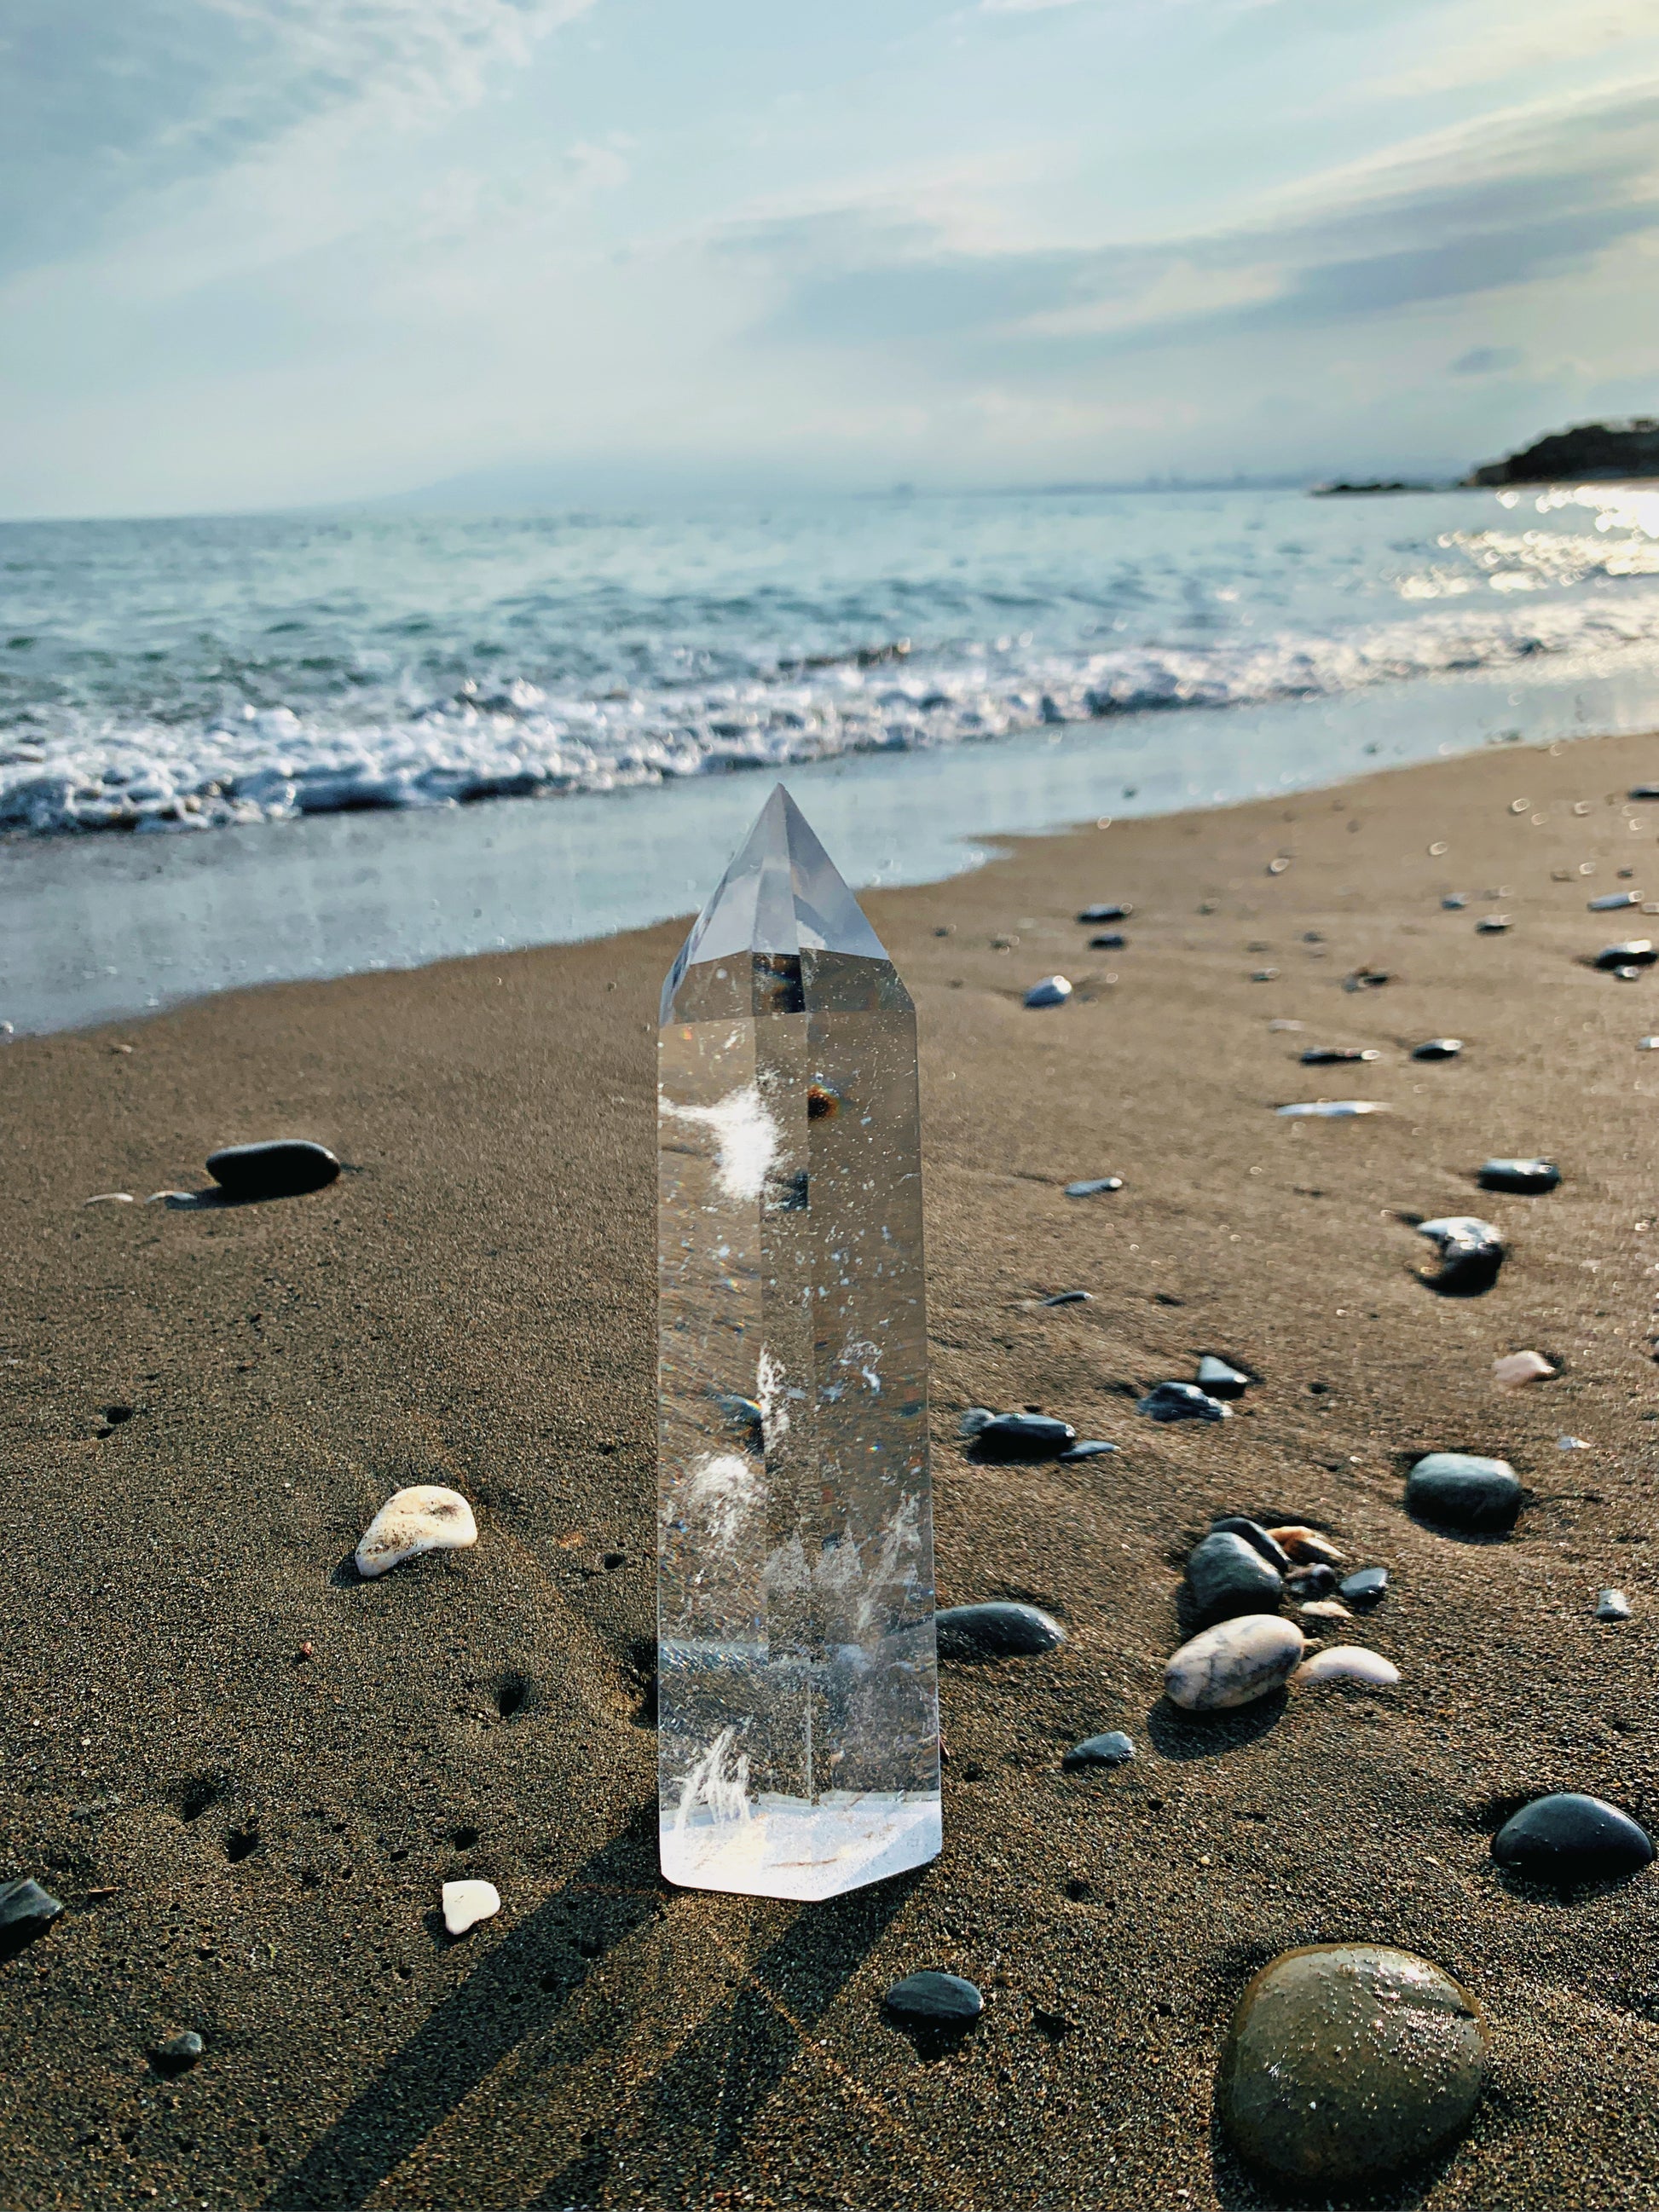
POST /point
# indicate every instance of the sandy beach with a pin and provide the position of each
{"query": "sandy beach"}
(247, 1774)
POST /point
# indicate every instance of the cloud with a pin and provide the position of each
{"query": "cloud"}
(1512, 201)
(1487, 361)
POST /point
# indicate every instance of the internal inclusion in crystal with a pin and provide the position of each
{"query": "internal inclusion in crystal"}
(797, 1705)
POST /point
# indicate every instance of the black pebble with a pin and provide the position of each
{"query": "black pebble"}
(1226, 1575)
(1569, 1839)
(1001, 1630)
(178, 2053)
(1111, 1750)
(1068, 1299)
(1438, 1048)
(1336, 1055)
(1220, 1379)
(1238, 1524)
(284, 1168)
(1106, 913)
(932, 2000)
(1024, 1436)
(1181, 1401)
(1316, 1581)
(1528, 1177)
(1366, 1586)
(26, 1911)
(1113, 940)
(1464, 1490)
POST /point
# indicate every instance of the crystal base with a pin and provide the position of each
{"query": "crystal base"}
(788, 1848)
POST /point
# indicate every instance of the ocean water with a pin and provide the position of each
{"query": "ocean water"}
(193, 674)
(292, 712)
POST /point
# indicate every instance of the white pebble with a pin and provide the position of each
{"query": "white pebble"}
(1233, 1663)
(1573, 1443)
(110, 1198)
(467, 1903)
(1612, 1605)
(425, 1518)
(1348, 1663)
(1517, 1369)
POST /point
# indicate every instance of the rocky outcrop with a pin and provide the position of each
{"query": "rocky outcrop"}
(1589, 452)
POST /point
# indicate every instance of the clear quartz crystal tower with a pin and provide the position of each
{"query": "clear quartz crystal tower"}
(799, 1708)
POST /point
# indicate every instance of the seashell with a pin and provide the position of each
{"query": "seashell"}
(1348, 1663)
(110, 1198)
(1517, 1369)
(1324, 1609)
(1306, 1545)
(1332, 1109)
(467, 1903)
(424, 1518)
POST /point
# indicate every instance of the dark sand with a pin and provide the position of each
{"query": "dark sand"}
(251, 1843)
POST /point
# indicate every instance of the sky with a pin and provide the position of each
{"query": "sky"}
(260, 253)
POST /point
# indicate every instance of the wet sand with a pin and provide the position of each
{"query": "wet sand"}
(249, 1838)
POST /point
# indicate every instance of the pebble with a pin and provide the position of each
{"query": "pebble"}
(1311, 1582)
(1455, 901)
(1182, 1401)
(1114, 1749)
(1307, 1544)
(26, 1911)
(423, 1518)
(179, 2051)
(1332, 1055)
(1464, 1490)
(1636, 952)
(1233, 1664)
(1226, 1575)
(1113, 940)
(1438, 1048)
(1348, 1663)
(1647, 1044)
(975, 1418)
(1052, 991)
(1068, 1299)
(283, 1168)
(1106, 912)
(1001, 1630)
(1093, 1189)
(1569, 1838)
(933, 2000)
(1644, 791)
(1264, 976)
(1346, 2061)
(1277, 1025)
(1220, 1380)
(1514, 1369)
(1369, 1586)
(1610, 902)
(1612, 1605)
(467, 1903)
(1573, 1443)
(1471, 1252)
(1024, 1436)
(1257, 1537)
(1087, 1448)
(1332, 1109)
(1527, 1178)
(1492, 925)
(1366, 979)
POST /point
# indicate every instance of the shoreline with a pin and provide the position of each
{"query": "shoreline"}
(110, 929)
(246, 1776)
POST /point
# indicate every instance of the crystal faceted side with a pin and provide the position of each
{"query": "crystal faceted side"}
(798, 1696)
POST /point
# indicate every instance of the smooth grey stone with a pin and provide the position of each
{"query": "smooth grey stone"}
(1569, 1838)
(1052, 991)
(178, 2052)
(1527, 1177)
(1306, 1582)
(998, 1630)
(1366, 1586)
(1069, 1298)
(1106, 913)
(1438, 1048)
(1337, 1055)
(1024, 1436)
(1233, 1663)
(1218, 1380)
(1610, 902)
(1227, 1576)
(286, 1167)
(1455, 901)
(1638, 952)
(1240, 1524)
(1114, 1749)
(1182, 1401)
(1612, 1605)
(1492, 925)
(1645, 791)
(26, 1911)
(1346, 2061)
(1464, 1490)
(1093, 1189)
(1087, 1448)
(934, 2000)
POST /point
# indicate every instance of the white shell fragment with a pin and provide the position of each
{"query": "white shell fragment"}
(426, 1518)
(1234, 1663)
(1348, 1663)
(467, 1903)
(1332, 1109)
(110, 1198)
(1517, 1369)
